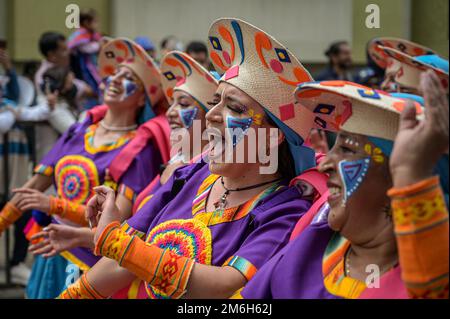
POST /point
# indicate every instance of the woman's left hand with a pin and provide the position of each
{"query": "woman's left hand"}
(32, 199)
(101, 209)
(419, 144)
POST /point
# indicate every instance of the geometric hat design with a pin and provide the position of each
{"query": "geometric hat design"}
(342, 105)
(124, 52)
(181, 72)
(263, 68)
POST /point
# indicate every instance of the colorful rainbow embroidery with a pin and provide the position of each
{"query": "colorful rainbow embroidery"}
(75, 178)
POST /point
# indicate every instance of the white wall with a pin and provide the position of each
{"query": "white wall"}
(307, 27)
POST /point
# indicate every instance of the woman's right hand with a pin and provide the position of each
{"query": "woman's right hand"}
(57, 238)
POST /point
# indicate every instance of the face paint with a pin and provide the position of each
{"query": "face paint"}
(352, 175)
(129, 88)
(188, 116)
(350, 141)
(257, 117)
(238, 128)
(375, 153)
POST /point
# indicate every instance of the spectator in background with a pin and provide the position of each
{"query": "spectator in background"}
(170, 43)
(18, 164)
(340, 62)
(53, 47)
(84, 45)
(199, 52)
(12, 86)
(147, 44)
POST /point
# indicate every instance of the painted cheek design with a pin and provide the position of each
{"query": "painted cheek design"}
(351, 142)
(129, 88)
(257, 117)
(188, 116)
(352, 174)
(238, 128)
(375, 153)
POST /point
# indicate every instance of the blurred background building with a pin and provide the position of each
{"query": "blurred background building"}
(306, 26)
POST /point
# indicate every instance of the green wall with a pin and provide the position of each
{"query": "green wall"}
(430, 24)
(27, 19)
(394, 17)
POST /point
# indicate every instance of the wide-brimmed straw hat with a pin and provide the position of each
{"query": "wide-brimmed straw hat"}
(181, 72)
(411, 67)
(124, 52)
(379, 56)
(263, 68)
(342, 105)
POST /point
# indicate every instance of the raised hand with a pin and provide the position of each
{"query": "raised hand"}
(32, 199)
(419, 144)
(57, 238)
(101, 209)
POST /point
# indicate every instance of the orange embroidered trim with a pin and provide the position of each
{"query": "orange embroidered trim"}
(68, 210)
(8, 216)
(81, 289)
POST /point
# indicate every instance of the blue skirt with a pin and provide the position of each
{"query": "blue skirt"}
(48, 277)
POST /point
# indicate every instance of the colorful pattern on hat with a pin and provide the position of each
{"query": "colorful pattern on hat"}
(181, 72)
(410, 69)
(376, 52)
(353, 107)
(124, 52)
(263, 68)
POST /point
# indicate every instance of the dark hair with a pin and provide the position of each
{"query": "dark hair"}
(56, 76)
(335, 48)
(49, 42)
(196, 47)
(286, 166)
(166, 40)
(87, 15)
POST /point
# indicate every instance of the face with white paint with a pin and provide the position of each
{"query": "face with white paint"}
(124, 90)
(358, 183)
(232, 106)
(181, 116)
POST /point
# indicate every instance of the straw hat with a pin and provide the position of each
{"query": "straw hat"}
(379, 56)
(262, 67)
(353, 108)
(124, 52)
(411, 67)
(181, 72)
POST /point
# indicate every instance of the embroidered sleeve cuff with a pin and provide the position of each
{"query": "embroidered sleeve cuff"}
(8, 216)
(113, 242)
(245, 267)
(45, 170)
(81, 289)
(68, 210)
(132, 231)
(127, 192)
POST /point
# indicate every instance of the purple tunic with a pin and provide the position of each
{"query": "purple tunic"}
(296, 271)
(245, 241)
(77, 166)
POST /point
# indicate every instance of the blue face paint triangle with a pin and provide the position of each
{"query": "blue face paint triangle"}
(130, 87)
(188, 116)
(352, 174)
(238, 127)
